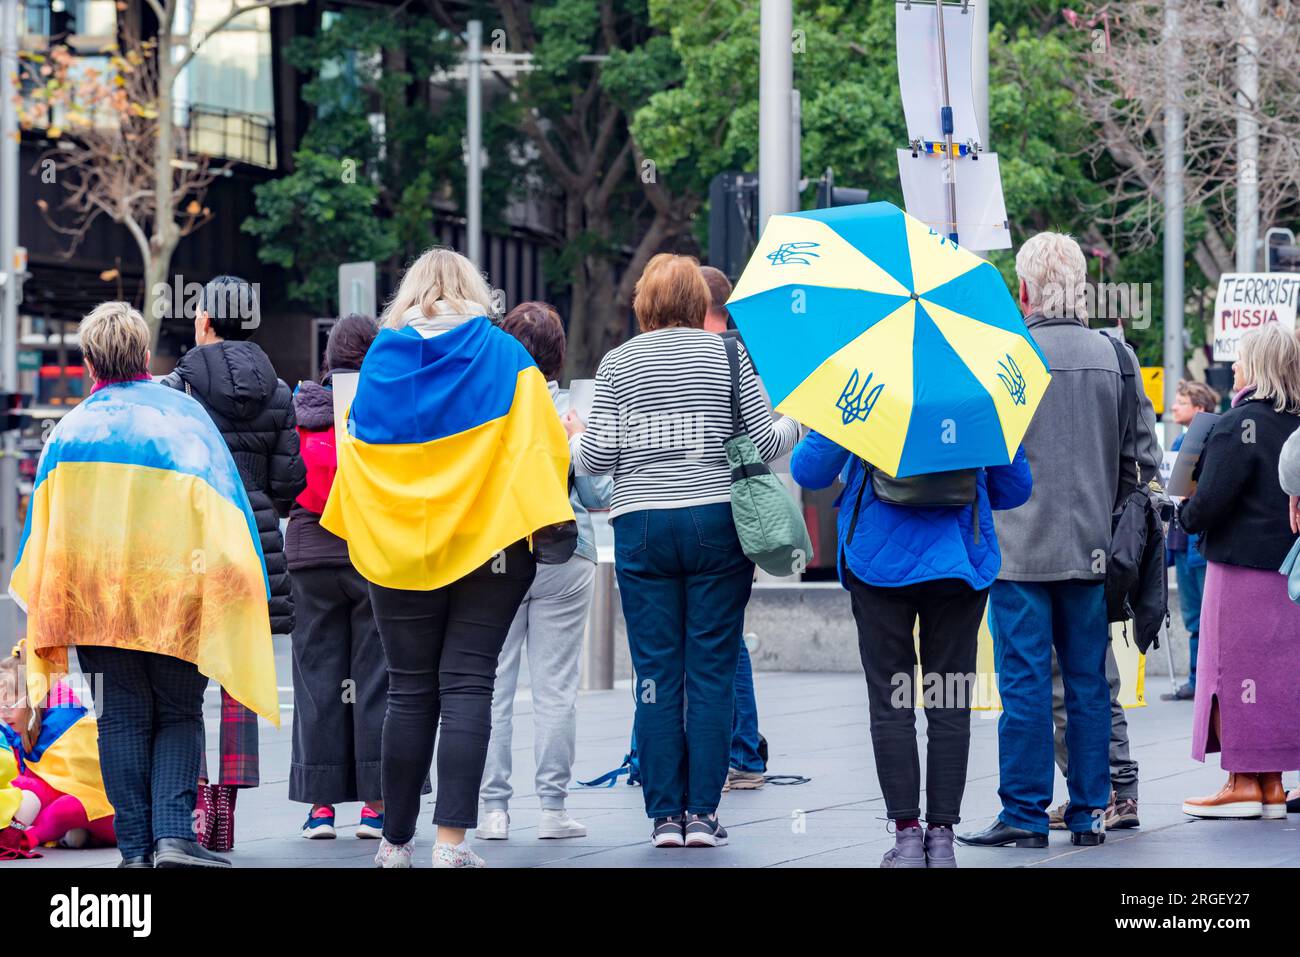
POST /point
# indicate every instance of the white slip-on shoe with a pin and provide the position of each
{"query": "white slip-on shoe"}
(394, 855)
(495, 826)
(558, 824)
(456, 855)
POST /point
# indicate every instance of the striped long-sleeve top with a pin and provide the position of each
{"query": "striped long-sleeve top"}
(660, 414)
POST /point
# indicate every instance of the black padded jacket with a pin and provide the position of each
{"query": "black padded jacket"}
(253, 409)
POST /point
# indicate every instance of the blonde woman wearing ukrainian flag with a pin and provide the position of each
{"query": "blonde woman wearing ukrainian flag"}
(141, 551)
(451, 459)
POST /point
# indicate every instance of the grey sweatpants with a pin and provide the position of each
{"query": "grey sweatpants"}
(1123, 769)
(550, 622)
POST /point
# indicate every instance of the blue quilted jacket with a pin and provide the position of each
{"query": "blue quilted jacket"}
(896, 545)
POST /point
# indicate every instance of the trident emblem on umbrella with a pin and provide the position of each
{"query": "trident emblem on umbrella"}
(856, 407)
(1013, 379)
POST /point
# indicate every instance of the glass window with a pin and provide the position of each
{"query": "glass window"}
(225, 95)
(79, 23)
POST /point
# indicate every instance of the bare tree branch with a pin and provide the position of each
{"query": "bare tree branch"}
(235, 11)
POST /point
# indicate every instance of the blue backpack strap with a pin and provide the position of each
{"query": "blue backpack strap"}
(609, 778)
(631, 766)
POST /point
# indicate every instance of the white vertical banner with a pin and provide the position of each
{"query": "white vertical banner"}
(917, 41)
(981, 212)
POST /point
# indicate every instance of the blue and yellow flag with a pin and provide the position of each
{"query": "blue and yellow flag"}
(139, 535)
(453, 451)
(66, 753)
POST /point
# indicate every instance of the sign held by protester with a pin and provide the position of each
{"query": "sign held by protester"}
(1251, 300)
(344, 387)
(1180, 484)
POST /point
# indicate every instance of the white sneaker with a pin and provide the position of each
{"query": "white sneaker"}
(79, 837)
(557, 824)
(394, 855)
(495, 826)
(456, 855)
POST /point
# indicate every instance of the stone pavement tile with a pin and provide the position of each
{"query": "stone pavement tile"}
(816, 726)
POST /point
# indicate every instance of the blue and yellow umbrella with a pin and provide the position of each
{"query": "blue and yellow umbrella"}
(885, 336)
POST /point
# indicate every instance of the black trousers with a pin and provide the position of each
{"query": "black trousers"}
(442, 648)
(150, 741)
(340, 689)
(950, 612)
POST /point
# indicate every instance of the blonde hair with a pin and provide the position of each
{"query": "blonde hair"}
(115, 340)
(1269, 358)
(671, 292)
(1054, 272)
(441, 280)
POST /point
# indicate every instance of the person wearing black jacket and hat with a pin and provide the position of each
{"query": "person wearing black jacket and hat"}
(253, 409)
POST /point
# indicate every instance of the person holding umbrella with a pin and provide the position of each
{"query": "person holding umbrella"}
(908, 358)
(880, 542)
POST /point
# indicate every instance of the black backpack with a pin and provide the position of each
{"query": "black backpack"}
(1136, 583)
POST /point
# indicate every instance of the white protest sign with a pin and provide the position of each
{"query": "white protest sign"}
(344, 385)
(1167, 467)
(1250, 300)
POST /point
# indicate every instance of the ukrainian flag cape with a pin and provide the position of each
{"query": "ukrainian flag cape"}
(139, 535)
(66, 754)
(453, 451)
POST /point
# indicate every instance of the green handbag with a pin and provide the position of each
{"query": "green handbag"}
(768, 522)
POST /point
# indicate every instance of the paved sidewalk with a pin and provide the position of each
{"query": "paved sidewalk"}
(816, 725)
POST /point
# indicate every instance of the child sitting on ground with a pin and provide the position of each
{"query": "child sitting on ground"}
(56, 747)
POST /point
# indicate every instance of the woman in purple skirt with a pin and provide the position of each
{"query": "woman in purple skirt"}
(1248, 663)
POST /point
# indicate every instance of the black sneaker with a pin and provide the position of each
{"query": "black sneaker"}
(1184, 693)
(175, 852)
(668, 832)
(702, 831)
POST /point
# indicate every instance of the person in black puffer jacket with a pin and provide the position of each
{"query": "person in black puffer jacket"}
(253, 409)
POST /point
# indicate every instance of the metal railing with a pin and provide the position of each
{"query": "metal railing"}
(231, 134)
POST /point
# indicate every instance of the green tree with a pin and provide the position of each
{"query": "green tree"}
(594, 63)
(382, 151)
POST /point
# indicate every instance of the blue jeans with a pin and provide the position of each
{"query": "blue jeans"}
(1028, 619)
(150, 742)
(1191, 588)
(684, 583)
(744, 722)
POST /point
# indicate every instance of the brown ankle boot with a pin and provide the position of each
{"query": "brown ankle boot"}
(1273, 794)
(1240, 797)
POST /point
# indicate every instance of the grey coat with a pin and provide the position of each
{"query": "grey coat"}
(1063, 532)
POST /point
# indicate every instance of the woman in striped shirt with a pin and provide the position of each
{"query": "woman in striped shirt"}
(661, 412)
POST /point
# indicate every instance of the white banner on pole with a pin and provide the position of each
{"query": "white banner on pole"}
(1250, 300)
(918, 72)
(981, 211)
